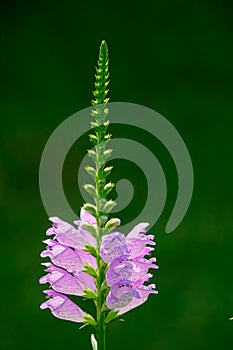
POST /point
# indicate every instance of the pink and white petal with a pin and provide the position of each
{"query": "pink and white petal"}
(62, 281)
(86, 280)
(85, 237)
(63, 256)
(113, 246)
(137, 229)
(86, 258)
(66, 234)
(144, 293)
(85, 216)
(138, 247)
(62, 307)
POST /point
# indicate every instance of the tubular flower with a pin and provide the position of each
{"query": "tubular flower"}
(67, 234)
(64, 282)
(128, 268)
(62, 307)
(66, 270)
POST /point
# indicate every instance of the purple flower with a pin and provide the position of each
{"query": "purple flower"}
(73, 260)
(126, 295)
(69, 260)
(125, 267)
(63, 282)
(113, 246)
(128, 269)
(138, 241)
(62, 307)
(67, 234)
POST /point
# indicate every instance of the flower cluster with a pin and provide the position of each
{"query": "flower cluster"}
(72, 268)
(128, 269)
(68, 261)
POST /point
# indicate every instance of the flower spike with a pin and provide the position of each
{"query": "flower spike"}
(91, 258)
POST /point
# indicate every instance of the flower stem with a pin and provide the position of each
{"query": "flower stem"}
(101, 329)
(100, 139)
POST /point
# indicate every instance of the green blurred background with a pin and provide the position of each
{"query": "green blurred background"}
(172, 56)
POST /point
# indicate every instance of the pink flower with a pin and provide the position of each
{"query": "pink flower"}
(113, 246)
(64, 282)
(62, 307)
(73, 260)
(65, 274)
(128, 269)
(67, 234)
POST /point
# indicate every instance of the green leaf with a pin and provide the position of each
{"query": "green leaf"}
(94, 342)
(112, 315)
(90, 270)
(105, 287)
(88, 319)
(89, 227)
(91, 250)
(102, 201)
(104, 308)
(89, 294)
(84, 325)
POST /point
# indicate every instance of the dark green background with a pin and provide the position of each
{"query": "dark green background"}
(172, 56)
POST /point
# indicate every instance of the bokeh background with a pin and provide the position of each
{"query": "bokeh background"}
(172, 56)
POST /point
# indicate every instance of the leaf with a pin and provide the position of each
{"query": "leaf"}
(88, 319)
(89, 270)
(89, 294)
(104, 308)
(94, 342)
(112, 315)
(89, 227)
(90, 249)
(84, 325)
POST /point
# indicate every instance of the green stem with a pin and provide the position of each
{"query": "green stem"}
(100, 113)
(101, 329)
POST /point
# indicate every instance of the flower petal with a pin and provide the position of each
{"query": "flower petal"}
(68, 235)
(85, 216)
(144, 293)
(124, 267)
(138, 229)
(121, 294)
(67, 258)
(137, 241)
(63, 282)
(62, 307)
(113, 246)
